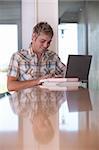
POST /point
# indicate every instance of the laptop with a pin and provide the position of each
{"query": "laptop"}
(78, 66)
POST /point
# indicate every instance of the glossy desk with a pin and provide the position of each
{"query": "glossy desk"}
(40, 119)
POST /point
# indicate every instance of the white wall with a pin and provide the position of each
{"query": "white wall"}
(39, 10)
(28, 21)
(48, 11)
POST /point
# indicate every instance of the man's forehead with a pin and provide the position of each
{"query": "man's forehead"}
(44, 36)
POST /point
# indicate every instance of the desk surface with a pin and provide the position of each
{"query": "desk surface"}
(40, 119)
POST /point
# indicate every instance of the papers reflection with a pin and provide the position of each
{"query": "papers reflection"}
(79, 100)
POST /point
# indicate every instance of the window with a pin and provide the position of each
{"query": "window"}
(68, 44)
(67, 40)
(8, 45)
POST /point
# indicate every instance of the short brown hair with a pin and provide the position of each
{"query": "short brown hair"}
(43, 27)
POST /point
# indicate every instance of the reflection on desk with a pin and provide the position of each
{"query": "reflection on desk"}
(38, 112)
(38, 105)
(79, 100)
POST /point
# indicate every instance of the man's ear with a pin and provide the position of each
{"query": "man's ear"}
(34, 36)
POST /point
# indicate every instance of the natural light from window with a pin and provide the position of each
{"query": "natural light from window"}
(67, 40)
(68, 44)
(8, 45)
(67, 120)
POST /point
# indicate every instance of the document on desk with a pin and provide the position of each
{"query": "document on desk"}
(60, 83)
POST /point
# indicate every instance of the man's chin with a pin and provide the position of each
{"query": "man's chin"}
(42, 50)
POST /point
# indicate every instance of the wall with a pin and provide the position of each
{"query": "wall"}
(93, 42)
(34, 11)
(89, 39)
(48, 11)
(28, 21)
(82, 33)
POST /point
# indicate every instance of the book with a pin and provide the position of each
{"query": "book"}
(60, 83)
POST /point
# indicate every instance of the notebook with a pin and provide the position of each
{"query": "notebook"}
(78, 66)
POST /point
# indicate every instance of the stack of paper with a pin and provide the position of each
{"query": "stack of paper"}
(60, 83)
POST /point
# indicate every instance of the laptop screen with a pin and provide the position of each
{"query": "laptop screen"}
(78, 66)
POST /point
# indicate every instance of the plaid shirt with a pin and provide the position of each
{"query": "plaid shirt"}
(25, 65)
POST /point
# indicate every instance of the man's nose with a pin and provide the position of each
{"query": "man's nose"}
(45, 45)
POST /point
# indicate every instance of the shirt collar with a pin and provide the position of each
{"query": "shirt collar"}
(31, 53)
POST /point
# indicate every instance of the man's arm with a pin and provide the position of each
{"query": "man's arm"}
(13, 84)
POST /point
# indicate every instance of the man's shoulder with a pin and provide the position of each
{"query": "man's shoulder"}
(51, 53)
(23, 51)
(21, 54)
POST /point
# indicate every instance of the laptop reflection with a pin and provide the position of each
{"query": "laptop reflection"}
(79, 100)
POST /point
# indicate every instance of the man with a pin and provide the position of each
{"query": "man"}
(28, 67)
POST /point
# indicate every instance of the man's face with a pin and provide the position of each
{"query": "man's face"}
(41, 42)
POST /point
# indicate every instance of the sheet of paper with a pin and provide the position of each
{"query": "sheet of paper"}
(59, 80)
(57, 88)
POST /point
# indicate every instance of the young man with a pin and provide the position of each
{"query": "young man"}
(28, 67)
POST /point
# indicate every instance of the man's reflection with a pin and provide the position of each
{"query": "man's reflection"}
(42, 127)
(38, 104)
